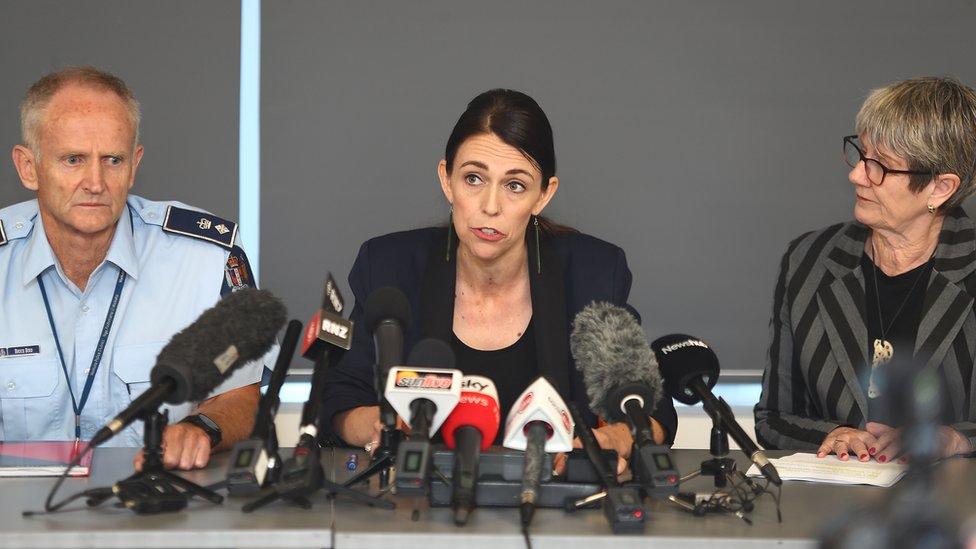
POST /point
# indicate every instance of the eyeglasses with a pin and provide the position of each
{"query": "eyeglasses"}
(875, 170)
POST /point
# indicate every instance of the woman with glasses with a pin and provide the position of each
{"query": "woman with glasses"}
(861, 307)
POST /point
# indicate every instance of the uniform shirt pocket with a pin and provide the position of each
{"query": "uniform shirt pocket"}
(32, 399)
(131, 369)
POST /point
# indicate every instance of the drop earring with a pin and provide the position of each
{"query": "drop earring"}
(450, 234)
(538, 252)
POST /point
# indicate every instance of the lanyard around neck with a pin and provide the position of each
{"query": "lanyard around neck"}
(77, 405)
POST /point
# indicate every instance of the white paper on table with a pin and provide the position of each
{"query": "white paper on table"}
(831, 470)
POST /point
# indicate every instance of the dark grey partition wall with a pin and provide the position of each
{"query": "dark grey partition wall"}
(182, 60)
(700, 136)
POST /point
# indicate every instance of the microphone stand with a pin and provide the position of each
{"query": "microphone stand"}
(302, 473)
(720, 466)
(384, 456)
(154, 489)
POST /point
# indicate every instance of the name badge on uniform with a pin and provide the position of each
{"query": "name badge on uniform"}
(23, 350)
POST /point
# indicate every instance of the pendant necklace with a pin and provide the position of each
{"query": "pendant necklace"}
(883, 350)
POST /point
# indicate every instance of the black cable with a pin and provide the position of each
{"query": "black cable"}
(48, 507)
(525, 534)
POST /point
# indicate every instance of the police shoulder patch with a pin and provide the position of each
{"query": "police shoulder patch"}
(237, 272)
(200, 225)
(3, 235)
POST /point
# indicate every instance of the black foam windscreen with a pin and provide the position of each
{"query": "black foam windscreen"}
(610, 349)
(431, 353)
(682, 359)
(387, 303)
(239, 328)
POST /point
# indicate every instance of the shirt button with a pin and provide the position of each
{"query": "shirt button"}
(11, 386)
(18, 225)
(151, 215)
(84, 308)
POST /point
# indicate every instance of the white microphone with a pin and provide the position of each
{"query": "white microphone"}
(407, 387)
(424, 397)
(538, 422)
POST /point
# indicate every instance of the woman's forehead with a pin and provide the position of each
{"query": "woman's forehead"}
(489, 150)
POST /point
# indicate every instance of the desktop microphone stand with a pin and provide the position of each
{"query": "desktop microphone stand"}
(720, 466)
(154, 489)
(302, 475)
(384, 458)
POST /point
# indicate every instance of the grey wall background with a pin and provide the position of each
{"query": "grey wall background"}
(699, 136)
(180, 57)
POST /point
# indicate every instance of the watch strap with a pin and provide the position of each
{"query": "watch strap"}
(208, 425)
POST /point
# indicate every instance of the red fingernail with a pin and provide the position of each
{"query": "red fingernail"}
(872, 450)
(864, 456)
(882, 459)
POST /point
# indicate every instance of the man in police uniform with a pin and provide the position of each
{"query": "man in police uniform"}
(94, 282)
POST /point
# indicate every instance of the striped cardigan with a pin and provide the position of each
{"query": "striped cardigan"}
(819, 337)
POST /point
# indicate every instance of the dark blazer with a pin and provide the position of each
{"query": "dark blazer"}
(576, 270)
(819, 337)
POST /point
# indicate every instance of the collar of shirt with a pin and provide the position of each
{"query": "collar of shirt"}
(39, 256)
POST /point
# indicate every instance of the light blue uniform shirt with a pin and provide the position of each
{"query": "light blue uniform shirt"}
(170, 280)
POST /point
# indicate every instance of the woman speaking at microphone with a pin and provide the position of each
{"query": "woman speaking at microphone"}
(501, 283)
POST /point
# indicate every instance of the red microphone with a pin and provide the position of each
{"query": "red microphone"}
(469, 430)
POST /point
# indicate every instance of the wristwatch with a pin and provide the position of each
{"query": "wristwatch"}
(208, 425)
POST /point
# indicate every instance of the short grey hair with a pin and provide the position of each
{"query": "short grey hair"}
(931, 123)
(40, 93)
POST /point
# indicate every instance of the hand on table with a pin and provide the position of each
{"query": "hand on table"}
(185, 447)
(615, 436)
(847, 440)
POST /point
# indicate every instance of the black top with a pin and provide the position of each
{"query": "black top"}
(899, 330)
(576, 270)
(512, 368)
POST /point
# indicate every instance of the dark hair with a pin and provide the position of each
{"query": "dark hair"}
(517, 120)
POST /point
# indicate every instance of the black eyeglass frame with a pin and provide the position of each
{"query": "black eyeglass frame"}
(885, 170)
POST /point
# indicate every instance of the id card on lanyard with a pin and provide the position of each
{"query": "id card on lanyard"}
(79, 405)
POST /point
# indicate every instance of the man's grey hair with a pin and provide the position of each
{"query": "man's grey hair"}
(40, 93)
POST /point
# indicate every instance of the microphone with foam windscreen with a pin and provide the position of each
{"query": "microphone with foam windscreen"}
(238, 329)
(423, 393)
(691, 370)
(470, 430)
(623, 383)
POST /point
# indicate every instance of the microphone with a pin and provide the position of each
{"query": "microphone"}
(539, 422)
(423, 397)
(302, 473)
(256, 459)
(691, 370)
(470, 430)
(327, 326)
(623, 383)
(239, 328)
(621, 504)
(387, 316)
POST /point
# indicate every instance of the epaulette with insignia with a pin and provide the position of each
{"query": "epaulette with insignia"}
(200, 225)
(3, 235)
